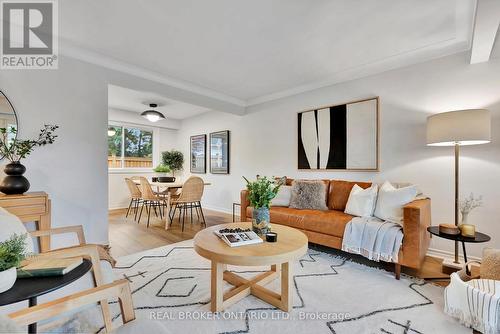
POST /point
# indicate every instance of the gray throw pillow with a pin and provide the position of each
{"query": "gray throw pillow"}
(308, 194)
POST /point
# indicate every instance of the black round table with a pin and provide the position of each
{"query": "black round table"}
(478, 238)
(32, 287)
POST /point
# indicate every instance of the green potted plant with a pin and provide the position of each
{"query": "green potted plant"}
(174, 160)
(260, 194)
(17, 149)
(12, 252)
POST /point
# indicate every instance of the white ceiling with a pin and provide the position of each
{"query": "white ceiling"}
(137, 101)
(253, 51)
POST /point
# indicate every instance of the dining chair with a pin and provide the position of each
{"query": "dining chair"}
(135, 196)
(150, 200)
(188, 199)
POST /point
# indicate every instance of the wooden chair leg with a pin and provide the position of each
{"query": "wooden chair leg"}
(397, 270)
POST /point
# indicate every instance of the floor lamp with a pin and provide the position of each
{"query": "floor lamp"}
(459, 128)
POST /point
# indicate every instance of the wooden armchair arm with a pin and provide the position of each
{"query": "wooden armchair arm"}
(118, 289)
(78, 229)
(90, 252)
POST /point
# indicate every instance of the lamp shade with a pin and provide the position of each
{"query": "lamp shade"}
(462, 127)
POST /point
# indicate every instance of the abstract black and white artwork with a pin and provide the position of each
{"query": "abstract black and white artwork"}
(339, 137)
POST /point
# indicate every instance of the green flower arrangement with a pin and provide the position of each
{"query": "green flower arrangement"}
(173, 159)
(262, 191)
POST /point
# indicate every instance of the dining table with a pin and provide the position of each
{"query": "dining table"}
(167, 185)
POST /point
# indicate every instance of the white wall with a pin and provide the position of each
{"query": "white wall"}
(264, 141)
(73, 171)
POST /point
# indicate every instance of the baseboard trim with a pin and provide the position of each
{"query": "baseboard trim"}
(218, 209)
(439, 253)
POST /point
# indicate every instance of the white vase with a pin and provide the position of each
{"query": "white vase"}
(465, 216)
(7, 279)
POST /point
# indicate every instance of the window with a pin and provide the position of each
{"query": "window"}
(129, 147)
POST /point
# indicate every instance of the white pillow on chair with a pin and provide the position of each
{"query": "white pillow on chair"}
(361, 201)
(390, 201)
(11, 224)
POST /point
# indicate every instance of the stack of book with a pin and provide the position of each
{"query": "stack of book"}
(238, 237)
(42, 267)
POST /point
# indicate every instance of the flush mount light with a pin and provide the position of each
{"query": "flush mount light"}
(111, 132)
(151, 114)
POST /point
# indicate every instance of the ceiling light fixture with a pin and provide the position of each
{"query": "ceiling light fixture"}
(111, 132)
(152, 115)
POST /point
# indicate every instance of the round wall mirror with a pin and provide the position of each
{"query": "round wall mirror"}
(8, 120)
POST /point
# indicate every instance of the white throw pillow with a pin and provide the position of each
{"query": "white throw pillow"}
(390, 201)
(361, 201)
(282, 197)
(11, 224)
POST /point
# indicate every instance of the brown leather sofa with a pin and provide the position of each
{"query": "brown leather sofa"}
(327, 227)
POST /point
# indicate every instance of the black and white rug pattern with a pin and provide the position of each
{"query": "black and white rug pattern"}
(331, 295)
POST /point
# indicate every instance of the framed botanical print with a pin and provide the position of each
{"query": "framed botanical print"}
(198, 154)
(339, 137)
(219, 152)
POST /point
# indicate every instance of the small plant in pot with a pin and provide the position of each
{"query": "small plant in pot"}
(17, 149)
(161, 173)
(12, 252)
(260, 194)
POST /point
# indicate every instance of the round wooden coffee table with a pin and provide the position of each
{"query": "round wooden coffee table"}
(291, 245)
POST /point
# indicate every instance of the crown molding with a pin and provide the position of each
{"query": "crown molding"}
(75, 52)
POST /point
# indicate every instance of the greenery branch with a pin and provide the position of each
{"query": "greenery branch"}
(262, 191)
(12, 251)
(18, 149)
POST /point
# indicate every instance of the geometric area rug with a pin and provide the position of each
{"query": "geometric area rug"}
(331, 294)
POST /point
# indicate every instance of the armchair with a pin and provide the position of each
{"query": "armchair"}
(12, 224)
(119, 289)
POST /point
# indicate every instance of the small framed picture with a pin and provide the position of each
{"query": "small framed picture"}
(219, 152)
(198, 154)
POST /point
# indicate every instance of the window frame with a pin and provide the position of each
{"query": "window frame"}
(122, 169)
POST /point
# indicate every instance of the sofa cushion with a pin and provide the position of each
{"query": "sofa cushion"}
(331, 222)
(308, 194)
(289, 182)
(339, 193)
(285, 216)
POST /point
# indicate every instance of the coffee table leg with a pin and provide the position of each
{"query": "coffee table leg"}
(32, 327)
(217, 285)
(286, 287)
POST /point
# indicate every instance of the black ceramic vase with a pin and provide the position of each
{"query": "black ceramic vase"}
(14, 183)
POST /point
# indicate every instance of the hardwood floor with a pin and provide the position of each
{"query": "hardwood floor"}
(128, 237)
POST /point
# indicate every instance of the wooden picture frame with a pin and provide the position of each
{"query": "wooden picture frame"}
(219, 152)
(350, 133)
(198, 152)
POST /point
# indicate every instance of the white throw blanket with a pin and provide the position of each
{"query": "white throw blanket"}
(373, 238)
(475, 303)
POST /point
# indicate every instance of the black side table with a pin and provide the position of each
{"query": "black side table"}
(478, 238)
(32, 287)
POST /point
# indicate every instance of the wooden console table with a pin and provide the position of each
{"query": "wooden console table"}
(30, 207)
